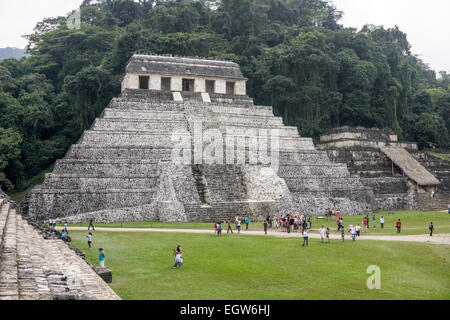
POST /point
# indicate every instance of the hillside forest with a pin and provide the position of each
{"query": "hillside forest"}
(297, 56)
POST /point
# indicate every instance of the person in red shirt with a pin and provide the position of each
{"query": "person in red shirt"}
(229, 227)
(398, 225)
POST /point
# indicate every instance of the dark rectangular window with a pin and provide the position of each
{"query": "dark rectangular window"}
(210, 85)
(165, 84)
(230, 87)
(143, 82)
(188, 84)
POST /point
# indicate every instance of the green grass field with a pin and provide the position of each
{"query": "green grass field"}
(414, 222)
(443, 156)
(241, 267)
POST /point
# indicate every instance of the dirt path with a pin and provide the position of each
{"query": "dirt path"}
(436, 239)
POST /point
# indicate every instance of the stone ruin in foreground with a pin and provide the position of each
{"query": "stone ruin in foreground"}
(128, 165)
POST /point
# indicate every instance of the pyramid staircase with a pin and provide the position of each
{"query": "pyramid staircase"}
(33, 268)
(122, 169)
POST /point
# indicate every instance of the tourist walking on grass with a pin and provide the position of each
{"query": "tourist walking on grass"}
(178, 257)
(219, 229)
(265, 226)
(89, 239)
(276, 222)
(247, 221)
(374, 223)
(358, 230)
(327, 233)
(322, 234)
(398, 226)
(365, 223)
(238, 225)
(229, 227)
(352, 231)
(342, 234)
(91, 224)
(382, 222)
(431, 227)
(305, 238)
(101, 258)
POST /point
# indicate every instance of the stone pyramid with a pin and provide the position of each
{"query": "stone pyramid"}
(183, 142)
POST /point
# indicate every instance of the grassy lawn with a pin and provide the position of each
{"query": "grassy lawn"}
(443, 156)
(241, 267)
(413, 222)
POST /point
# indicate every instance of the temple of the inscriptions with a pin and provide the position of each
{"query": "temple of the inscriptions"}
(183, 142)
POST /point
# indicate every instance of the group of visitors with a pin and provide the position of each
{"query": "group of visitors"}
(329, 213)
(237, 222)
(290, 223)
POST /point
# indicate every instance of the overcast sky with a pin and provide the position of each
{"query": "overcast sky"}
(427, 23)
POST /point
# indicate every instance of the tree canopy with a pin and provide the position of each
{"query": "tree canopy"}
(298, 58)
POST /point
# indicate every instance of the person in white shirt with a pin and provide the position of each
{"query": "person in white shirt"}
(322, 234)
(305, 238)
(238, 225)
(382, 222)
(358, 230)
(353, 232)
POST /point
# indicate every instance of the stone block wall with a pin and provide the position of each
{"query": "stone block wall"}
(122, 168)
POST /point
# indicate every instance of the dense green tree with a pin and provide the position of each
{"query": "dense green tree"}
(297, 57)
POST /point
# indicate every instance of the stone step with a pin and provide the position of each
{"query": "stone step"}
(123, 125)
(86, 152)
(27, 271)
(320, 170)
(4, 208)
(110, 113)
(57, 181)
(117, 138)
(9, 286)
(59, 202)
(111, 168)
(313, 183)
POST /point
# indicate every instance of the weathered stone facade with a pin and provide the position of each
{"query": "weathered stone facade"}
(124, 167)
(361, 149)
(37, 267)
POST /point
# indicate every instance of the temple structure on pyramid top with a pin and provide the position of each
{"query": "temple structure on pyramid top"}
(183, 142)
